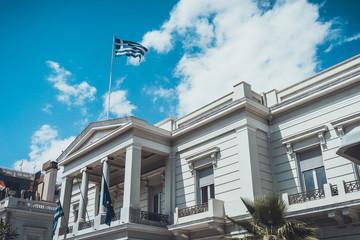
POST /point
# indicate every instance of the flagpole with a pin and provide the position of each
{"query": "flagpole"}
(112, 60)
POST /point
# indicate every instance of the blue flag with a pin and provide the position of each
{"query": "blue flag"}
(108, 205)
(58, 214)
(129, 48)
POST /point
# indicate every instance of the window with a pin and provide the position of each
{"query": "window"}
(76, 212)
(206, 189)
(312, 171)
(156, 199)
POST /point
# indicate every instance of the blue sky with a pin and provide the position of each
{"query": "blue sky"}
(55, 60)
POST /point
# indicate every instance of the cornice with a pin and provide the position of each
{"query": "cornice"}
(316, 93)
(220, 112)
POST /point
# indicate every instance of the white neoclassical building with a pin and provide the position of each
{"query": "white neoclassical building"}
(179, 178)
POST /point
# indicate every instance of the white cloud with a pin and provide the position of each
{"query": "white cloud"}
(77, 94)
(353, 38)
(82, 123)
(160, 92)
(266, 46)
(47, 108)
(45, 146)
(119, 104)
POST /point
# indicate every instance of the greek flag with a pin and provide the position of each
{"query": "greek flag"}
(129, 48)
(58, 214)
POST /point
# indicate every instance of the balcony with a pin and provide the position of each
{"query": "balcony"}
(207, 215)
(29, 205)
(331, 195)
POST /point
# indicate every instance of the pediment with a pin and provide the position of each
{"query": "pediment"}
(93, 133)
(94, 136)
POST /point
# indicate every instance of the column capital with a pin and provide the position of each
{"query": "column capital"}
(66, 178)
(84, 169)
(105, 159)
(133, 146)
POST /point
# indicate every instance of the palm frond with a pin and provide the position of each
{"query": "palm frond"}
(249, 205)
(295, 229)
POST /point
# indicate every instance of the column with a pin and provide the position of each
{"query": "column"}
(106, 176)
(83, 194)
(65, 199)
(169, 180)
(130, 211)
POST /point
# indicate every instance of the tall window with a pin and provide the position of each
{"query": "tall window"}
(312, 169)
(75, 212)
(206, 184)
(156, 199)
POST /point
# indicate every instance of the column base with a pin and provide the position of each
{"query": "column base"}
(97, 221)
(130, 214)
(75, 228)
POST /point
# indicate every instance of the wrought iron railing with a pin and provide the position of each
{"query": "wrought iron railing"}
(85, 225)
(183, 212)
(352, 186)
(64, 230)
(334, 190)
(116, 217)
(154, 217)
(306, 196)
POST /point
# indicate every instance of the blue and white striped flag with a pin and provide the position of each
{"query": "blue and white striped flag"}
(58, 214)
(129, 48)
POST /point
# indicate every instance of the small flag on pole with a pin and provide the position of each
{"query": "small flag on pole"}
(2, 185)
(129, 48)
(108, 205)
(58, 214)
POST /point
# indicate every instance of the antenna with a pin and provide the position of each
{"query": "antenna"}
(22, 162)
(34, 166)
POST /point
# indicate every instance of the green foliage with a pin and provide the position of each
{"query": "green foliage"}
(6, 232)
(268, 221)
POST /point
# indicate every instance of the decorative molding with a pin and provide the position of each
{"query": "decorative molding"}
(210, 152)
(340, 124)
(340, 130)
(304, 134)
(290, 151)
(146, 183)
(322, 139)
(346, 121)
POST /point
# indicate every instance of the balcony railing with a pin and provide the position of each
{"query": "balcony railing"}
(85, 225)
(352, 186)
(183, 212)
(154, 217)
(334, 190)
(306, 196)
(115, 218)
(65, 230)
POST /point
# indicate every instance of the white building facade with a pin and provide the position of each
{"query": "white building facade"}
(179, 178)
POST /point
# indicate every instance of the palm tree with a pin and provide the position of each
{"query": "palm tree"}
(6, 232)
(268, 221)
